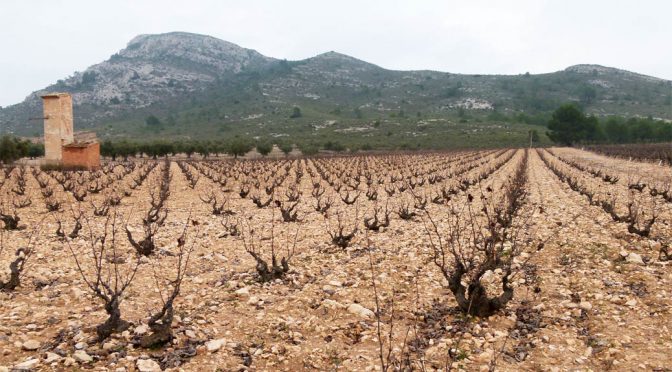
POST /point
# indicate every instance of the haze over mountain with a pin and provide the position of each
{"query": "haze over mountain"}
(199, 86)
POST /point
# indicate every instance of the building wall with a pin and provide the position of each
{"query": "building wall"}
(87, 156)
(58, 124)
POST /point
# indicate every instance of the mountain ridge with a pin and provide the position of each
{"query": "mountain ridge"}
(590, 68)
(192, 80)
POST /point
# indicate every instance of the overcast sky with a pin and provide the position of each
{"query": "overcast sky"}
(46, 40)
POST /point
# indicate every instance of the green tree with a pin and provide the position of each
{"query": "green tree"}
(166, 148)
(568, 125)
(534, 136)
(308, 149)
(616, 130)
(36, 150)
(203, 149)
(286, 148)
(218, 147)
(108, 149)
(264, 148)
(593, 131)
(642, 130)
(22, 147)
(8, 151)
(239, 146)
(143, 149)
(334, 146)
(158, 148)
(153, 122)
(189, 148)
(296, 113)
(366, 147)
(664, 132)
(126, 149)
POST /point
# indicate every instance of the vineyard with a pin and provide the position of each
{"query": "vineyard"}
(656, 152)
(511, 259)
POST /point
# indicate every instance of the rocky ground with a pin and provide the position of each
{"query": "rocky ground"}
(594, 298)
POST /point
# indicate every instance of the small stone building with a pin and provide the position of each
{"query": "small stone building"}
(61, 144)
(84, 151)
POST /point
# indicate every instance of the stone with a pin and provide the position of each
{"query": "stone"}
(634, 258)
(243, 291)
(27, 365)
(253, 300)
(215, 345)
(585, 305)
(328, 303)
(631, 302)
(31, 345)
(52, 357)
(141, 329)
(485, 356)
(147, 365)
(360, 310)
(82, 357)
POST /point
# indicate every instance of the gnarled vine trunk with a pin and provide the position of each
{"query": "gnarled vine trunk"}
(114, 323)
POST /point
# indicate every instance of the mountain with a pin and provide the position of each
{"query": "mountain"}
(202, 87)
(151, 69)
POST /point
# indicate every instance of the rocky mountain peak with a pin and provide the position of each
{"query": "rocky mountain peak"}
(201, 49)
(152, 68)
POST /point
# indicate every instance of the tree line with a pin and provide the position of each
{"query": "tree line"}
(569, 125)
(13, 148)
(237, 146)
